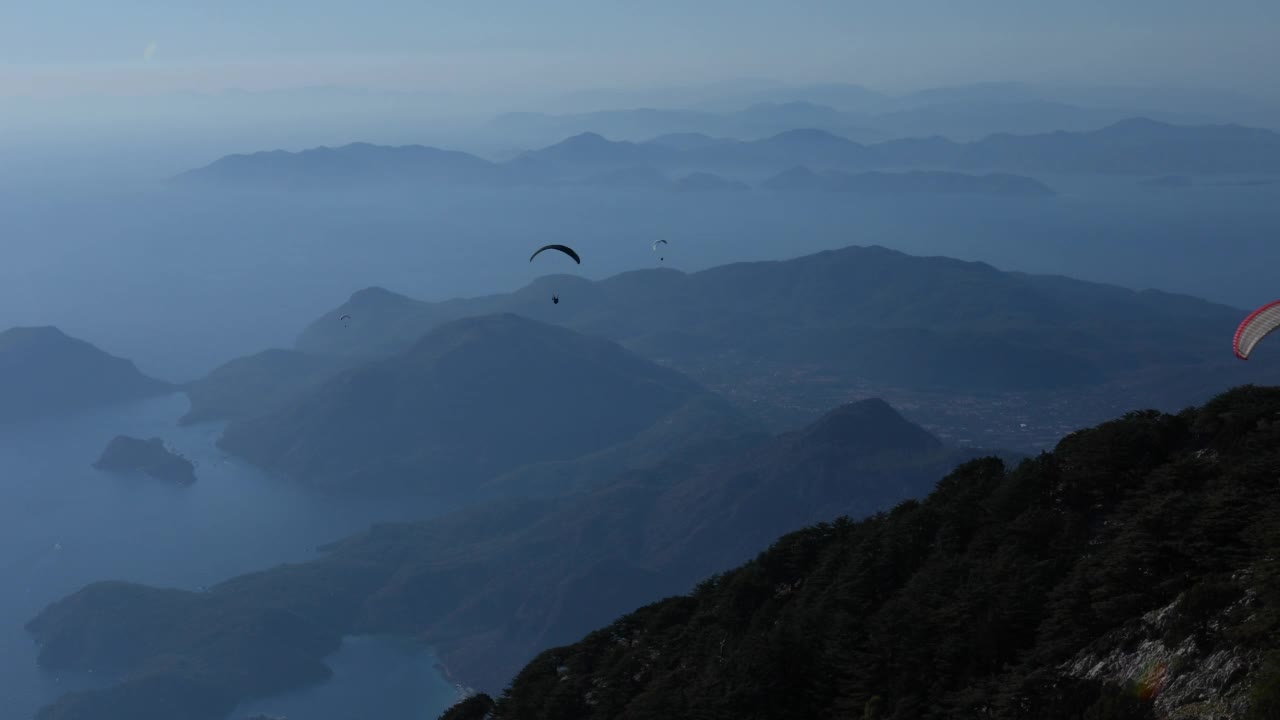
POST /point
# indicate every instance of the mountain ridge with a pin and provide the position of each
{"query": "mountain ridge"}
(911, 181)
(960, 113)
(1127, 575)
(44, 371)
(434, 409)
(788, 339)
(1136, 146)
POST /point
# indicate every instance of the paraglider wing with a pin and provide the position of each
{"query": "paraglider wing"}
(1259, 324)
(656, 243)
(562, 248)
(345, 317)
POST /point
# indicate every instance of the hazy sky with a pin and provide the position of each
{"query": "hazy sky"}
(59, 47)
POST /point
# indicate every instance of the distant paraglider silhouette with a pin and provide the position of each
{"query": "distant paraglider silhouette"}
(562, 248)
(555, 299)
(658, 242)
(344, 320)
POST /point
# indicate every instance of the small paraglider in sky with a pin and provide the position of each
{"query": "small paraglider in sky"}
(1259, 324)
(658, 242)
(344, 320)
(555, 299)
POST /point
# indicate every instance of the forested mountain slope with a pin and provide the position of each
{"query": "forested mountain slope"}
(1130, 573)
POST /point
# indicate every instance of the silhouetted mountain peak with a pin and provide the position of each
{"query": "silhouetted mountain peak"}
(580, 152)
(46, 371)
(1137, 124)
(33, 334)
(43, 341)
(497, 324)
(478, 334)
(547, 392)
(359, 161)
(537, 345)
(377, 298)
(871, 425)
(585, 142)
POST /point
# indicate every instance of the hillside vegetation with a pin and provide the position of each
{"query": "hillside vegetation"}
(1130, 573)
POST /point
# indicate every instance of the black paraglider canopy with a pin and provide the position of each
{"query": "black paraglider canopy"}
(562, 248)
(555, 299)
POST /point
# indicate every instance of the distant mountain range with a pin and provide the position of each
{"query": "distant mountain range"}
(45, 372)
(647, 178)
(956, 116)
(489, 586)
(757, 121)
(1136, 146)
(975, 354)
(853, 99)
(914, 182)
(802, 179)
(357, 162)
(809, 332)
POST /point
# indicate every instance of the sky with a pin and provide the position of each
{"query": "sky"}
(94, 89)
(132, 47)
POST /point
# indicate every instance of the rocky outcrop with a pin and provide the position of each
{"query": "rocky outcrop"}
(1189, 676)
(129, 455)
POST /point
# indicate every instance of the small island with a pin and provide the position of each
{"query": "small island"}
(127, 454)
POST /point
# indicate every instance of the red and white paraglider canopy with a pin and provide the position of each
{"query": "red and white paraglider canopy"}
(1259, 324)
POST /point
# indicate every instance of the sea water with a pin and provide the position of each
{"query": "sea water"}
(64, 524)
